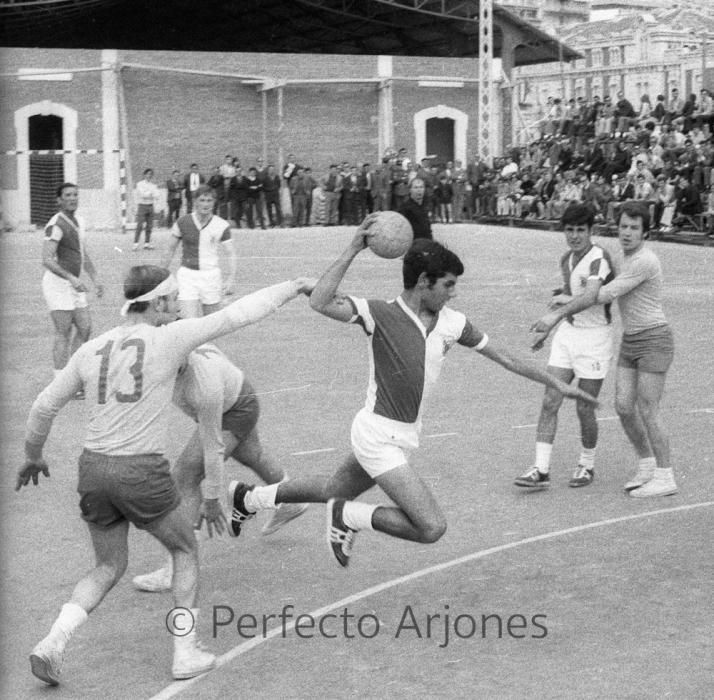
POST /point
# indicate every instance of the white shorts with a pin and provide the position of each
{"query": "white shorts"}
(205, 286)
(586, 351)
(60, 295)
(381, 444)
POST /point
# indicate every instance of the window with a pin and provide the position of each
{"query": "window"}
(597, 57)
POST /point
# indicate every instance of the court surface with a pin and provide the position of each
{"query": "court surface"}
(570, 593)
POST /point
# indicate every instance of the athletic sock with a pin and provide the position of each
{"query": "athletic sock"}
(647, 463)
(70, 618)
(542, 456)
(186, 642)
(261, 498)
(587, 458)
(358, 516)
(663, 473)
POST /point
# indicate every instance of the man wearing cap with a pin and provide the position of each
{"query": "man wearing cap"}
(128, 375)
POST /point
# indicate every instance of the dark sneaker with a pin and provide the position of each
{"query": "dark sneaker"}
(239, 514)
(340, 538)
(533, 479)
(582, 477)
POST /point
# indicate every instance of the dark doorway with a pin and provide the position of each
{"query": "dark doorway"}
(440, 140)
(46, 169)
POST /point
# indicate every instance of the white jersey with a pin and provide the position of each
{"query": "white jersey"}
(208, 386)
(128, 375)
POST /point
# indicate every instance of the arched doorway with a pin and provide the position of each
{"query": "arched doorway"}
(43, 125)
(440, 140)
(442, 129)
(46, 169)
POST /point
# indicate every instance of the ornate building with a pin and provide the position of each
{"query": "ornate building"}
(633, 52)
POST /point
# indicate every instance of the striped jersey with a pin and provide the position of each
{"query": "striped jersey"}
(69, 234)
(200, 243)
(595, 264)
(404, 359)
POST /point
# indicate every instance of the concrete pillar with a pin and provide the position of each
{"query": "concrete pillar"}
(385, 107)
(110, 118)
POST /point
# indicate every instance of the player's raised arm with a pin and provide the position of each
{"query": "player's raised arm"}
(529, 371)
(325, 298)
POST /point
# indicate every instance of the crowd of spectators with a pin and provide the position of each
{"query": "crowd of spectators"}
(599, 152)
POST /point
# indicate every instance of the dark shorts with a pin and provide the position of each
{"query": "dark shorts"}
(137, 488)
(242, 417)
(651, 350)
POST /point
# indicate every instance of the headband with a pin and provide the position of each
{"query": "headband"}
(168, 286)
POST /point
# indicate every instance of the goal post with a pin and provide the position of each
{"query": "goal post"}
(32, 200)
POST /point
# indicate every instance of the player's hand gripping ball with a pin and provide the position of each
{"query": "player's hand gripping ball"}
(390, 235)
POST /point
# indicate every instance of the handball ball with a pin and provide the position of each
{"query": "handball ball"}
(392, 235)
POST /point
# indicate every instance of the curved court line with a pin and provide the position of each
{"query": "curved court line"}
(178, 686)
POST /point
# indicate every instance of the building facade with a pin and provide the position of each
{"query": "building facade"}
(633, 52)
(115, 113)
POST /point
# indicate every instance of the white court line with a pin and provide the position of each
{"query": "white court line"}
(178, 686)
(280, 391)
(313, 452)
(535, 425)
(439, 435)
(702, 410)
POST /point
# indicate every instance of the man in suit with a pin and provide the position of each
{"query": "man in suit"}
(191, 183)
(174, 187)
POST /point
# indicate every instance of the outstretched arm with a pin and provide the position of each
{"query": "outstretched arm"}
(544, 325)
(324, 298)
(529, 371)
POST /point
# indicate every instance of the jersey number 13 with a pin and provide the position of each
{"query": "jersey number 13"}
(135, 370)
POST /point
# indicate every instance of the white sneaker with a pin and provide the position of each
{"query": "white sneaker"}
(155, 582)
(190, 662)
(643, 475)
(135, 246)
(283, 514)
(656, 486)
(46, 660)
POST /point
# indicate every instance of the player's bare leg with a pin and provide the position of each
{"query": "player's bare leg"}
(538, 476)
(250, 452)
(82, 320)
(175, 532)
(210, 308)
(584, 472)
(418, 516)
(111, 554)
(638, 399)
(62, 321)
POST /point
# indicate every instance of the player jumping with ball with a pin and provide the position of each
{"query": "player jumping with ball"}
(408, 339)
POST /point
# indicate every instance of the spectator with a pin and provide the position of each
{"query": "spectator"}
(174, 188)
(271, 192)
(624, 113)
(299, 190)
(252, 203)
(192, 182)
(333, 193)
(147, 196)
